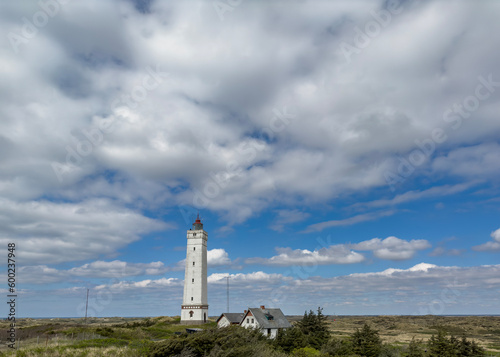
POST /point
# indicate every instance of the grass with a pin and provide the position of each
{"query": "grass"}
(132, 336)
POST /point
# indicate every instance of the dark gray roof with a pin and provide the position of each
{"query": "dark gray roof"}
(233, 317)
(270, 318)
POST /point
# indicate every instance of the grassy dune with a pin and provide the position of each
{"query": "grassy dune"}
(134, 336)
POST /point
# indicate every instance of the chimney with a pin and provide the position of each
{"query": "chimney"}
(245, 311)
(262, 307)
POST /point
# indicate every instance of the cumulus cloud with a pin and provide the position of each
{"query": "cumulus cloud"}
(492, 246)
(244, 279)
(134, 286)
(420, 289)
(216, 257)
(53, 232)
(478, 161)
(390, 248)
(333, 255)
(199, 117)
(42, 274)
(393, 248)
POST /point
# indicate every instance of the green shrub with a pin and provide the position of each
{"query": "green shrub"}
(337, 347)
(233, 341)
(306, 352)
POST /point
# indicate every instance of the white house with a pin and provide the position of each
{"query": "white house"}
(229, 318)
(268, 321)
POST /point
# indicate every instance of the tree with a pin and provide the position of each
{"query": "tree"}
(290, 339)
(315, 328)
(441, 346)
(366, 342)
(415, 348)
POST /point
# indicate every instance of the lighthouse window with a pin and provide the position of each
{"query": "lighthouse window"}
(191, 314)
(193, 263)
(191, 298)
(194, 248)
(192, 280)
(194, 234)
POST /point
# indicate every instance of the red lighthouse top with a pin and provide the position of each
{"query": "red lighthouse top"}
(197, 224)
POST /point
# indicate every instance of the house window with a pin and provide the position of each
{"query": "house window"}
(248, 320)
(268, 331)
(252, 320)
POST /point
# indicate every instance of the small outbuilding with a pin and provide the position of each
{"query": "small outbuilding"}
(229, 318)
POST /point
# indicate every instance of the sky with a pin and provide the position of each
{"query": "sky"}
(342, 154)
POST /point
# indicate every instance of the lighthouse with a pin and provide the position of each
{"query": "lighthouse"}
(194, 309)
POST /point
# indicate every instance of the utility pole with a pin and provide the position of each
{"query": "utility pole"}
(86, 306)
(227, 277)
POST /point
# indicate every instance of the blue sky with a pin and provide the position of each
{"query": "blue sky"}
(342, 154)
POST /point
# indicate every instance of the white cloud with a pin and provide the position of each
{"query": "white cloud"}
(338, 254)
(496, 235)
(216, 257)
(425, 288)
(196, 120)
(390, 248)
(493, 246)
(241, 279)
(393, 248)
(118, 269)
(51, 232)
(42, 274)
(136, 286)
(478, 161)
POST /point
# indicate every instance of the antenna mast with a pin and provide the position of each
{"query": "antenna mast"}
(227, 277)
(86, 306)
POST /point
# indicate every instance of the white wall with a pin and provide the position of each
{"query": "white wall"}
(223, 322)
(195, 292)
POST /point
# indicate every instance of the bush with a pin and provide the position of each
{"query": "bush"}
(338, 347)
(231, 341)
(305, 352)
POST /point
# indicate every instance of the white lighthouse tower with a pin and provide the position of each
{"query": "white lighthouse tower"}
(195, 306)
